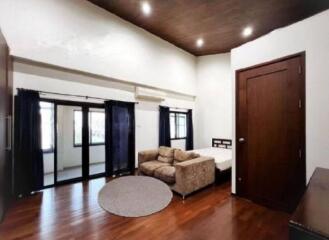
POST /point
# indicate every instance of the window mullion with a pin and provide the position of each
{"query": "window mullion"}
(90, 128)
(177, 127)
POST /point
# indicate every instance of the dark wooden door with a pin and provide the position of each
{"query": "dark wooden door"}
(5, 88)
(271, 133)
(3, 114)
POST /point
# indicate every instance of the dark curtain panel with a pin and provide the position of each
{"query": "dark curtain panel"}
(164, 127)
(28, 165)
(119, 137)
(189, 131)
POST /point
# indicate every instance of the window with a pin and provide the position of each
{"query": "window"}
(77, 128)
(96, 128)
(177, 125)
(47, 126)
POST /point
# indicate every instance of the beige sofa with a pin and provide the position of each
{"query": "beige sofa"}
(185, 172)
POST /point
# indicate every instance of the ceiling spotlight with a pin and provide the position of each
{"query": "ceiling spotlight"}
(199, 42)
(146, 8)
(247, 31)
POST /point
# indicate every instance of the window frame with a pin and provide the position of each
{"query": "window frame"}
(90, 131)
(177, 125)
(52, 148)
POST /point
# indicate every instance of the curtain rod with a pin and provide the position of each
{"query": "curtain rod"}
(70, 95)
(176, 108)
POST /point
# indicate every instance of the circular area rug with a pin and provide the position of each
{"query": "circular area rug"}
(134, 196)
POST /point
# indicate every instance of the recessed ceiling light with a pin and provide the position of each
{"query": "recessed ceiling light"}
(146, 8)
(247, 31)
(199, 42)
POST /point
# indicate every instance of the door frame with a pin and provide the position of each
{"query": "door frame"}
(7, 119)
(85, 147)
(238, 160)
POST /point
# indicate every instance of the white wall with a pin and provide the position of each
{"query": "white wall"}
(146, 113)
(79, 35)
(312, 36)
(214, 99)
(178, 143)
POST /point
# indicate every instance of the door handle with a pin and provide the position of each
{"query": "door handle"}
(241, 140)
(9, 138)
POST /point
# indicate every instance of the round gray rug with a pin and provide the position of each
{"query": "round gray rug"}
(134, 196)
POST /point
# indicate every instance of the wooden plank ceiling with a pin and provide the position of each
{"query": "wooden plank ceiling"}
(219, 22)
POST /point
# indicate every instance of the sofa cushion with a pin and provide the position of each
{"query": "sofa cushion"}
(181, 156)
(166, 154)
(166, 174)
(149, 167)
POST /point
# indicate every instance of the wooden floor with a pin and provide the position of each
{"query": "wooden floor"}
(72, 212)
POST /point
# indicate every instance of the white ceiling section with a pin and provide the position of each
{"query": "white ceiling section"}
(79, 35)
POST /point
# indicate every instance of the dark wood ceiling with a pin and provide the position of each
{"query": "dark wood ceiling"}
(218, 22)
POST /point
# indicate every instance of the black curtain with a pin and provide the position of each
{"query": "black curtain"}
(28, 165)
(119, 137)
(189, 131)
(164, 127)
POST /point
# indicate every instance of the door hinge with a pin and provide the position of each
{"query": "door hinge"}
(300, 69)
(300, 103)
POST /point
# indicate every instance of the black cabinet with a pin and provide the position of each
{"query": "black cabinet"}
(310, 221)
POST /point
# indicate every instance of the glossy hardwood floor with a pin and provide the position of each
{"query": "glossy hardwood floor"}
(72, 212)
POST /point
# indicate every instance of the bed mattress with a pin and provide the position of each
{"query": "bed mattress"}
(222, 156)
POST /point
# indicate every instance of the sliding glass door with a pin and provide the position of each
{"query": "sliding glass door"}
(48, 141)
(96, 141)
(73, 141)
(69, 143)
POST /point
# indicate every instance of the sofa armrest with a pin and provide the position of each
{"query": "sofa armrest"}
(194, 174)
(147, 155)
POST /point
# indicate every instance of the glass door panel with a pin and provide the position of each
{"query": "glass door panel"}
(47, 135)
(69, 142)
(96, 141)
